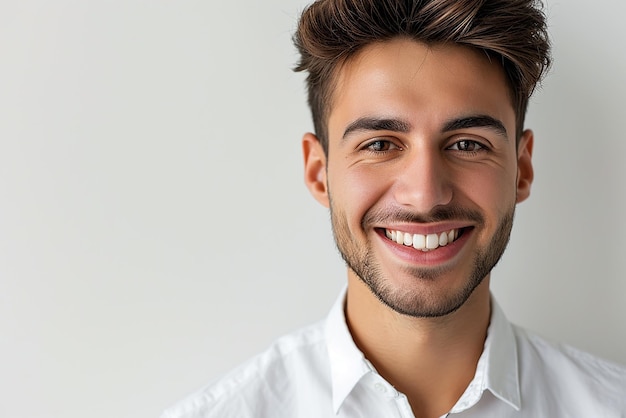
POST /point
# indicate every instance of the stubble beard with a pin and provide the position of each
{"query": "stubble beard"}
(415, 301)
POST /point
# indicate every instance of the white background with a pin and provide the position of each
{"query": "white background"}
(154, 226)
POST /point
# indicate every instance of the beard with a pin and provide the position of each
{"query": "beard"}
(419, 301)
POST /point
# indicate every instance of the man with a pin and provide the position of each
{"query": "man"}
(420, 154)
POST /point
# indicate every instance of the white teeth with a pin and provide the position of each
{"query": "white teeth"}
(443, 239)
(419, 241)
(423, 242)
(432, 241)
(408, 239)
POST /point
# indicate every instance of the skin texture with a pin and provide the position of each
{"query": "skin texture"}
(444, 158)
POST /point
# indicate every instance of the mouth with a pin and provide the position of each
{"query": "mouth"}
(427, 242)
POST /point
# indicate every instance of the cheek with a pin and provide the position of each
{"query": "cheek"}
(485, 180)
(356, 191)
(494, 192)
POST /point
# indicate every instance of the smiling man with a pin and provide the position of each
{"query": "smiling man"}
(421, 156)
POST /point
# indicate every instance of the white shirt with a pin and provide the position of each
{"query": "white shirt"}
(319, 372)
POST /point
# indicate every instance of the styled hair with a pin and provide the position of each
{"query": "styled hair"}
(330, 32)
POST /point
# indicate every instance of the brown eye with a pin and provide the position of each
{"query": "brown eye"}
(380, 146)
(467, 145)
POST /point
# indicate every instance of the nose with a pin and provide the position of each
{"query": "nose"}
(423, 181)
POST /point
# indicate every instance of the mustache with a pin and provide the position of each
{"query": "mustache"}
(438, 214)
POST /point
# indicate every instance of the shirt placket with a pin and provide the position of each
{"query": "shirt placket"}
(396, 400)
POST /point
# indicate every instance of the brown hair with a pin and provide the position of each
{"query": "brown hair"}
(511, 31)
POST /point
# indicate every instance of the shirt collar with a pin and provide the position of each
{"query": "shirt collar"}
(347, 363)
(502, 376)
(497, 369)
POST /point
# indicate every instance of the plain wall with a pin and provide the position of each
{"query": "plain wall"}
(154, 226)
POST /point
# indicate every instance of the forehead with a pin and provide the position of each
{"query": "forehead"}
(423, 84)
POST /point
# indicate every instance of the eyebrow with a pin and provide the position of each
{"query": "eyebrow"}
(476, 121)
(377, 124)
(398, 125)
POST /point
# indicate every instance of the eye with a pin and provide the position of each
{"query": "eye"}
(467, 145)
(381, 145)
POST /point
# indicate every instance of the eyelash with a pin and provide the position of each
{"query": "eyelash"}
(470, 142)
(384, 142)
(391, 146)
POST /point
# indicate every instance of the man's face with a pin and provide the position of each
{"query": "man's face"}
(422, 173)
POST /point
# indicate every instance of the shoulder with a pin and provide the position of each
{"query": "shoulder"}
(569, 373)
(567, 358)
(266, 382)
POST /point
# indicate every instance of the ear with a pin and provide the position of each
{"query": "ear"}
(315, 168)
(525, 172)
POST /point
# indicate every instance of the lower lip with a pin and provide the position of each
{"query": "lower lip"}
(434, 257)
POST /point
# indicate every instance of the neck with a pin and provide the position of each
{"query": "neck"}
(430, 360)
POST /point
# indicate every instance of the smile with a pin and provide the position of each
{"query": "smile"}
(423, 242)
